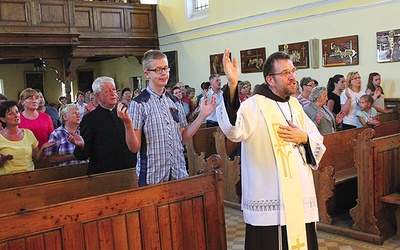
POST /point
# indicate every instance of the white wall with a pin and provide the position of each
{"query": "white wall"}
(321, 20)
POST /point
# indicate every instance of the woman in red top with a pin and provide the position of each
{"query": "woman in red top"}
(39, 123)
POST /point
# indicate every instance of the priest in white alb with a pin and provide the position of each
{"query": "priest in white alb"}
(280, 148)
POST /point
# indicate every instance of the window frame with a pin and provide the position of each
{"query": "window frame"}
(192, 15)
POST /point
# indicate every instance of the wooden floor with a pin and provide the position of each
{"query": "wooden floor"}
(235, 233)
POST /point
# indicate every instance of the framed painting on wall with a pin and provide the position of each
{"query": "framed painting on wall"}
(34, 80)
(216, 66)
(173, 65)
(341, 51)
(299, 52)
(252, 60)
(387, 46)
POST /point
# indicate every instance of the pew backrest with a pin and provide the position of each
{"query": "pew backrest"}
(24, 198)
(339, 145)
(42, 175)
(389, 116)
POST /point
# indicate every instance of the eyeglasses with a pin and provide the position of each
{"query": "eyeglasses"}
(310, 85)
(160, 70)
(285, 73)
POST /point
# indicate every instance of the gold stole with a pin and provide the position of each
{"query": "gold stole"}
(288, 172)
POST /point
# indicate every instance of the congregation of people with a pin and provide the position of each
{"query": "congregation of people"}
(110, 129)
(64, 137)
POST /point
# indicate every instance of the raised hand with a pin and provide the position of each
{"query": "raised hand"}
(377, 92)
(123, 112)
(231, 69)
(340, 116)
(208, 106)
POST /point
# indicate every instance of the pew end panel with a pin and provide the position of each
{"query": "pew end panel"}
(324, 186)
(346, 157)
(199, 148)
(230, 168)
(378, 170)
(336, 167)
(340, 157)
(182, 214)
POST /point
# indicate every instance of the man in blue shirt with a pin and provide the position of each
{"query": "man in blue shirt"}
(156, 125)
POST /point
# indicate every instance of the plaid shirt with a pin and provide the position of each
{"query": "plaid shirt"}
(159, 118)
(62, 146)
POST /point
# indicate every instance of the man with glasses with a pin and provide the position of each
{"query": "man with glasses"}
(156, 125)
(280, 148)
(307, 84)
(103, 133)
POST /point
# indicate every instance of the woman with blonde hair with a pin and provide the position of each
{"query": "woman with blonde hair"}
(350, 98)
(39, 123)
(62, 152)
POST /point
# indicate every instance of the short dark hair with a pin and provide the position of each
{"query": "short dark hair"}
(176, 87)
(305, 80)
(268, 66)
(5, 107)
(61, 97)
(205, 85)
(124, 90)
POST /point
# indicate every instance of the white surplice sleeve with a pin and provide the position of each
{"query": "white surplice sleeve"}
(245, 123)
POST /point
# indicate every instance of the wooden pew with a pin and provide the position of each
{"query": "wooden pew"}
(42, 175)
(337, 166)
(394, 198)
(199, 148)
(181, 214)
(389, 117)
(20, 199)
(377, 160)
(230, 168)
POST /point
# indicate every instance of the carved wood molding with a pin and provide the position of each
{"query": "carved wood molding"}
(73, 65)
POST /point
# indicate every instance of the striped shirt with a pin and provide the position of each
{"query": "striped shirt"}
(62, 146)
(159, 118)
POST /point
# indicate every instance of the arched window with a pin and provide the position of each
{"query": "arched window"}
(197, 9)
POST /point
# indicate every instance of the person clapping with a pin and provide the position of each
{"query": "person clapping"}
(18, 146)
